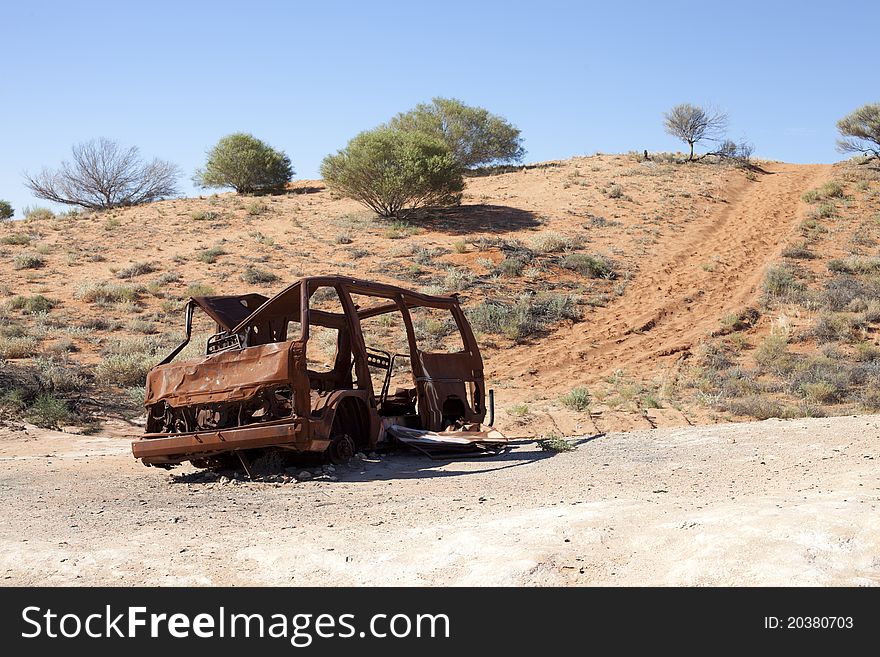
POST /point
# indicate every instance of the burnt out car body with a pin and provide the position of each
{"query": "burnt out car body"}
(261, 385)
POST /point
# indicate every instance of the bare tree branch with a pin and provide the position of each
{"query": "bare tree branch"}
(102, 174)
(693, 124)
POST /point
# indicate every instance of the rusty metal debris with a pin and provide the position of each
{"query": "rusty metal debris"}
(258, 386)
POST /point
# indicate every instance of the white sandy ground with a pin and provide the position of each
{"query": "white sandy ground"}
(769, 503)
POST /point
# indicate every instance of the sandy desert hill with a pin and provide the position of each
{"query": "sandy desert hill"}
(661, 288)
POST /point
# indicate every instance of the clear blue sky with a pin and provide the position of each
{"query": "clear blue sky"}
(575, 77)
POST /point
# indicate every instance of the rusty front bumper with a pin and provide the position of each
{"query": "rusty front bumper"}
(162, 449)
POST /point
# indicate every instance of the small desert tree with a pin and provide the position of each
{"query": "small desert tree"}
(6, 211)
(246, 164)
(692, 124)
(102, 174)
(860, 131)
(475, 136)
(392, 172)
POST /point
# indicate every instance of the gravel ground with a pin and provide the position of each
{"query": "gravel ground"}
(768, 503)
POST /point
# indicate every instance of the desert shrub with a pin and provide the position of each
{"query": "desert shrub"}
(6, 211)
(855, 265)
(519, 410)
(246, 164)
(198, 290)
(824, 211)
(589, 265)
(511, 266)
(123, 369)
(820, 392)
(551, 242)
(737, 382)
(811, 196)
(28, 261)
(16, 239)
(759, 407)
(555, 443)
(204, 215)
(715, 356)
(58, 377)
(256, 276)
(256, 208)
(33, 304)
(457, 279)
(831, 189)
(798, 252)
(781, 285)
(394, 172)
(48, 411)
(823, 376)
(615, 191)
(841, 291)
(834, 327)
(37, 213)
(577, 399)
(473, 135)
(772, 354)
(135, 269)
(740, 321)
(17, 347)
(103, 292)
(210, 255)
(527, 316)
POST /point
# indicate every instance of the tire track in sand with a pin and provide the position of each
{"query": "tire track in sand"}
(674, 301)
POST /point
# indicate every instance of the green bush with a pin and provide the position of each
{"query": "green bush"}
(246, 164)
(393, 172)
(6, 211)
(48, 411)
(474, 136)
(578, 399)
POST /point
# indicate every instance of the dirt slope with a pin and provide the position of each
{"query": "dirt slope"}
(680, 293)
(769, 503)
(688, 243)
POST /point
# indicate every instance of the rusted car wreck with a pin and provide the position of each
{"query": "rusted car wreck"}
(259, 383)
